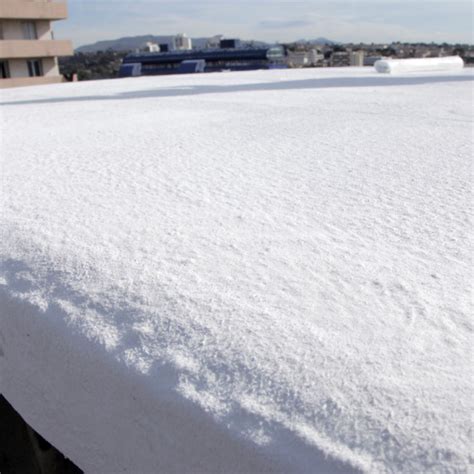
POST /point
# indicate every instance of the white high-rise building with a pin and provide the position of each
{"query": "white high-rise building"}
(151, 47)
(181, 42)
(214, 42)
(357, 58)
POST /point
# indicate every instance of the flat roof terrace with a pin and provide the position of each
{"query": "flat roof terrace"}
(263, 271)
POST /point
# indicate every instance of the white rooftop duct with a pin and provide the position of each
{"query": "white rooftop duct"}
(449, 63)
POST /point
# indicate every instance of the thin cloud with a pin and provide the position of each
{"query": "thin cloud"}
(288, 20)
(279, 24)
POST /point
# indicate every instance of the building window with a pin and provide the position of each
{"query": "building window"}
(29, 30)
(4, 70)
(35, 68)
(1, 30)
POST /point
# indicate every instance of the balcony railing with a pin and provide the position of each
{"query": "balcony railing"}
(10, 49)
(30, 10)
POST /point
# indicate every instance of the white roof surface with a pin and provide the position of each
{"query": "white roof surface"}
(241, 272)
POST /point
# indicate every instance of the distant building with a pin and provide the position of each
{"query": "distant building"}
(192, 66)
(164, 47)
(229, 43)
(297, 59)
(130, 70)
(309, 58)
(240, 59)
(370, 60)
(28, 50)
(214, 42)
(340, 59)
(150, 47)
(315, 57)
(357, 58)
(181, 42)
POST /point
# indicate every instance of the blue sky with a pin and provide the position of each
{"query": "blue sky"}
(272, 20)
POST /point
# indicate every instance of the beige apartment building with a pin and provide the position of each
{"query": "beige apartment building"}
(28, 50)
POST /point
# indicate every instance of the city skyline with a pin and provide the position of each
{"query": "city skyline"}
(273, 21)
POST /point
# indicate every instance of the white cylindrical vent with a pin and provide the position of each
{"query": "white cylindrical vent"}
(450, 63)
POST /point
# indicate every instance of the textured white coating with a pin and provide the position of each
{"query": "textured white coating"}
(250, 272)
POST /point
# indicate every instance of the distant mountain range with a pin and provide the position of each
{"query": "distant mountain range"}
(132, 43)
(320, 41)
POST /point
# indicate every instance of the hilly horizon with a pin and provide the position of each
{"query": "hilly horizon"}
(131, 43)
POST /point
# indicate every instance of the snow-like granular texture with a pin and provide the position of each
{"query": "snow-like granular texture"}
(241, 272)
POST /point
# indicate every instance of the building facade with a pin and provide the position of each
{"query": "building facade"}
(28, 50)
(214, 60)
(297, 59)
(340, 59)
(181, 42)
(357, 58)
(311, 58)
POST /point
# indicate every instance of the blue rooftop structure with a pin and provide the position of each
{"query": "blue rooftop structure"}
(238, 59)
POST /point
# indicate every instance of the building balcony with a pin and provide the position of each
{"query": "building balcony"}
(32, 10)
(10, 49)
(29, 81)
